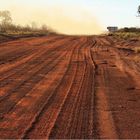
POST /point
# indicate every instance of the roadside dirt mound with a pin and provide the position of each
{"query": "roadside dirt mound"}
(4, 38)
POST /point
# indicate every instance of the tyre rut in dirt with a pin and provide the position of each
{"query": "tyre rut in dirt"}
(46, 125)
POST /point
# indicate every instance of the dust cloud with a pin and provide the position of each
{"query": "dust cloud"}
(63, 20)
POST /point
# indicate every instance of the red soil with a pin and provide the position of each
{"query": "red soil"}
(68, 87)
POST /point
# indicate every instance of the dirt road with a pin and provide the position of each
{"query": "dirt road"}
(68, 87)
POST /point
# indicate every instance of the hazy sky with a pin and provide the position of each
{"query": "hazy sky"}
(74, 16)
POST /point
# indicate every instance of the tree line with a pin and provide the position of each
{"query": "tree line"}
(7, 25)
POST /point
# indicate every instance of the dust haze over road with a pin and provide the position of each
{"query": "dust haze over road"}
(68, 87)
(65, 19)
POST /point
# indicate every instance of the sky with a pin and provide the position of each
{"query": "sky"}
(74, 16)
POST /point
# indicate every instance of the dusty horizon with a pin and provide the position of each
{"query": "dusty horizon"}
(59, 19)
(74, 17)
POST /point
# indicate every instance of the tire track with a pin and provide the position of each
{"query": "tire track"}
(30, 65)
(24, 86)
(36, 110)
(79, 126)
(58, 98)
(67, 88)
(67, 110)
(39, 52)
(105, 127)
(25, 115)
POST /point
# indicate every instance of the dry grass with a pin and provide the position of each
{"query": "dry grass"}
(137, 49)
(127, 35)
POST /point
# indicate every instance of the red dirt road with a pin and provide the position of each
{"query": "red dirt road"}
(66, 87)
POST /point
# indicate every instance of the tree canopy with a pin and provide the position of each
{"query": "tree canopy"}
(139, 10)
(5, 17)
